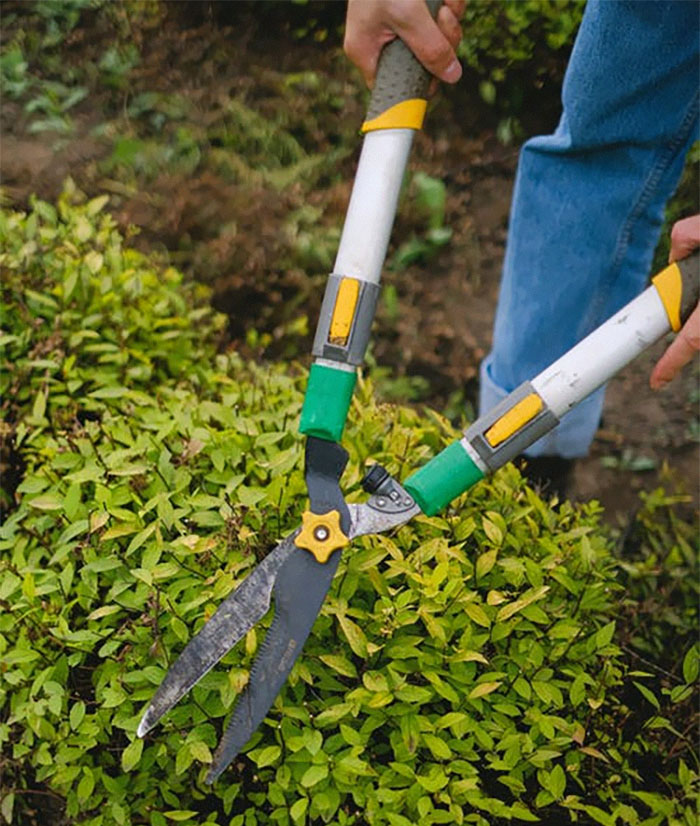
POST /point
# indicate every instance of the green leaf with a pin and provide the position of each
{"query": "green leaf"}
(691, 665)
(183, 759)
(351, 735)
(86, 785)
(180, 814)
(604, 636)
(438, 748)
(250, 497)
(333, 713)
(181, 630)
(94, 261)
(110, 393)
(557, 782)
(577, 692)
(398, 820)
(548, 692)
(493, 532)
(648, 695)
(201, 751)
(267, 756)
(477, 614)
(520, 812)
(298, 809)
(132, 754)
(528, 598)
(77, 715)
(523, 688)
(483, 689)
(104, 611)
(410, 731)
(599, 815)
(47, 502)
(485, 563)
(39, 407)
(314, 775)
(313, 741)
(7, 806)
(340, 664)
(354, 635)
(140, 538)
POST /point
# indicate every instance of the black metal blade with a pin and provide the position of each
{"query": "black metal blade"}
(324, 465)
(301, 586)
(236, 615)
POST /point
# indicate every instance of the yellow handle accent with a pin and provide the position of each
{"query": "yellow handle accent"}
(511, 421)
(669, 285)
(408, 114)
(321, 534)
(344, 311)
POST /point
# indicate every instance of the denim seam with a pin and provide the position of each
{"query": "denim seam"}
(666, 156)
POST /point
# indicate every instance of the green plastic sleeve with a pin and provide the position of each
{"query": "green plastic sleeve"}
(326, 403)
(445, 476)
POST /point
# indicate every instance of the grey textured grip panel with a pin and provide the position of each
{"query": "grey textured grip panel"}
(690, 275)
(354, 351)
(400, 76)
(538, 426)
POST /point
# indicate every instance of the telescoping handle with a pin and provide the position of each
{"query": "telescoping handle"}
(534, 408)
(395, 112)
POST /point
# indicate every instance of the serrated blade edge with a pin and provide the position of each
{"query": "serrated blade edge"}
(233, 619)
(301, 586)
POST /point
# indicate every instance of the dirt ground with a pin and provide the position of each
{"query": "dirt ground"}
(441, 327)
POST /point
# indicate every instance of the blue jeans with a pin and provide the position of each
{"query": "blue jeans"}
(589, 200)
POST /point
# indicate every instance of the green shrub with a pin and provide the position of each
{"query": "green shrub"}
(517, 48)
(464, 670)
(504, 36)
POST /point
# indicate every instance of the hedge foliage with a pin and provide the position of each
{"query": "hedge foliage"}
(467, 669)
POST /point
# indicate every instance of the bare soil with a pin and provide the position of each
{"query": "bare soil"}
(445, 306)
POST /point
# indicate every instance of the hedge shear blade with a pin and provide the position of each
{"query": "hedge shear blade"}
(295, 577)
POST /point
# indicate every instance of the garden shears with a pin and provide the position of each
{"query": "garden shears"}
(296, 576)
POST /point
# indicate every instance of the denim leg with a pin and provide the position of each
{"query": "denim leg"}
(589, 199)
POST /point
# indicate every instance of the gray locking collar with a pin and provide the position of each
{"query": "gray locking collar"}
(353, 352)
(538, 426)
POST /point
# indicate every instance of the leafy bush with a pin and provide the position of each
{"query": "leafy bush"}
(502, 36)
(464, 670)
(428, 200)
(516, 47)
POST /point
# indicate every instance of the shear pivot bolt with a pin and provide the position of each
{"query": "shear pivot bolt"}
(321, 533)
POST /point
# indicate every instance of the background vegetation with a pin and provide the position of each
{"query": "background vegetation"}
(507, 661)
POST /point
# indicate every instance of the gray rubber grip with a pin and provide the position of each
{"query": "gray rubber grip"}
(690, 275)
(400, 76)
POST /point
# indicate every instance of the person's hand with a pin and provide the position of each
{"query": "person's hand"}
(371, 24)
(685, 237)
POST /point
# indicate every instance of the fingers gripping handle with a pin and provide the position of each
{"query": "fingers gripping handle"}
(534, 408)
(399, 96)
(678, 286)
